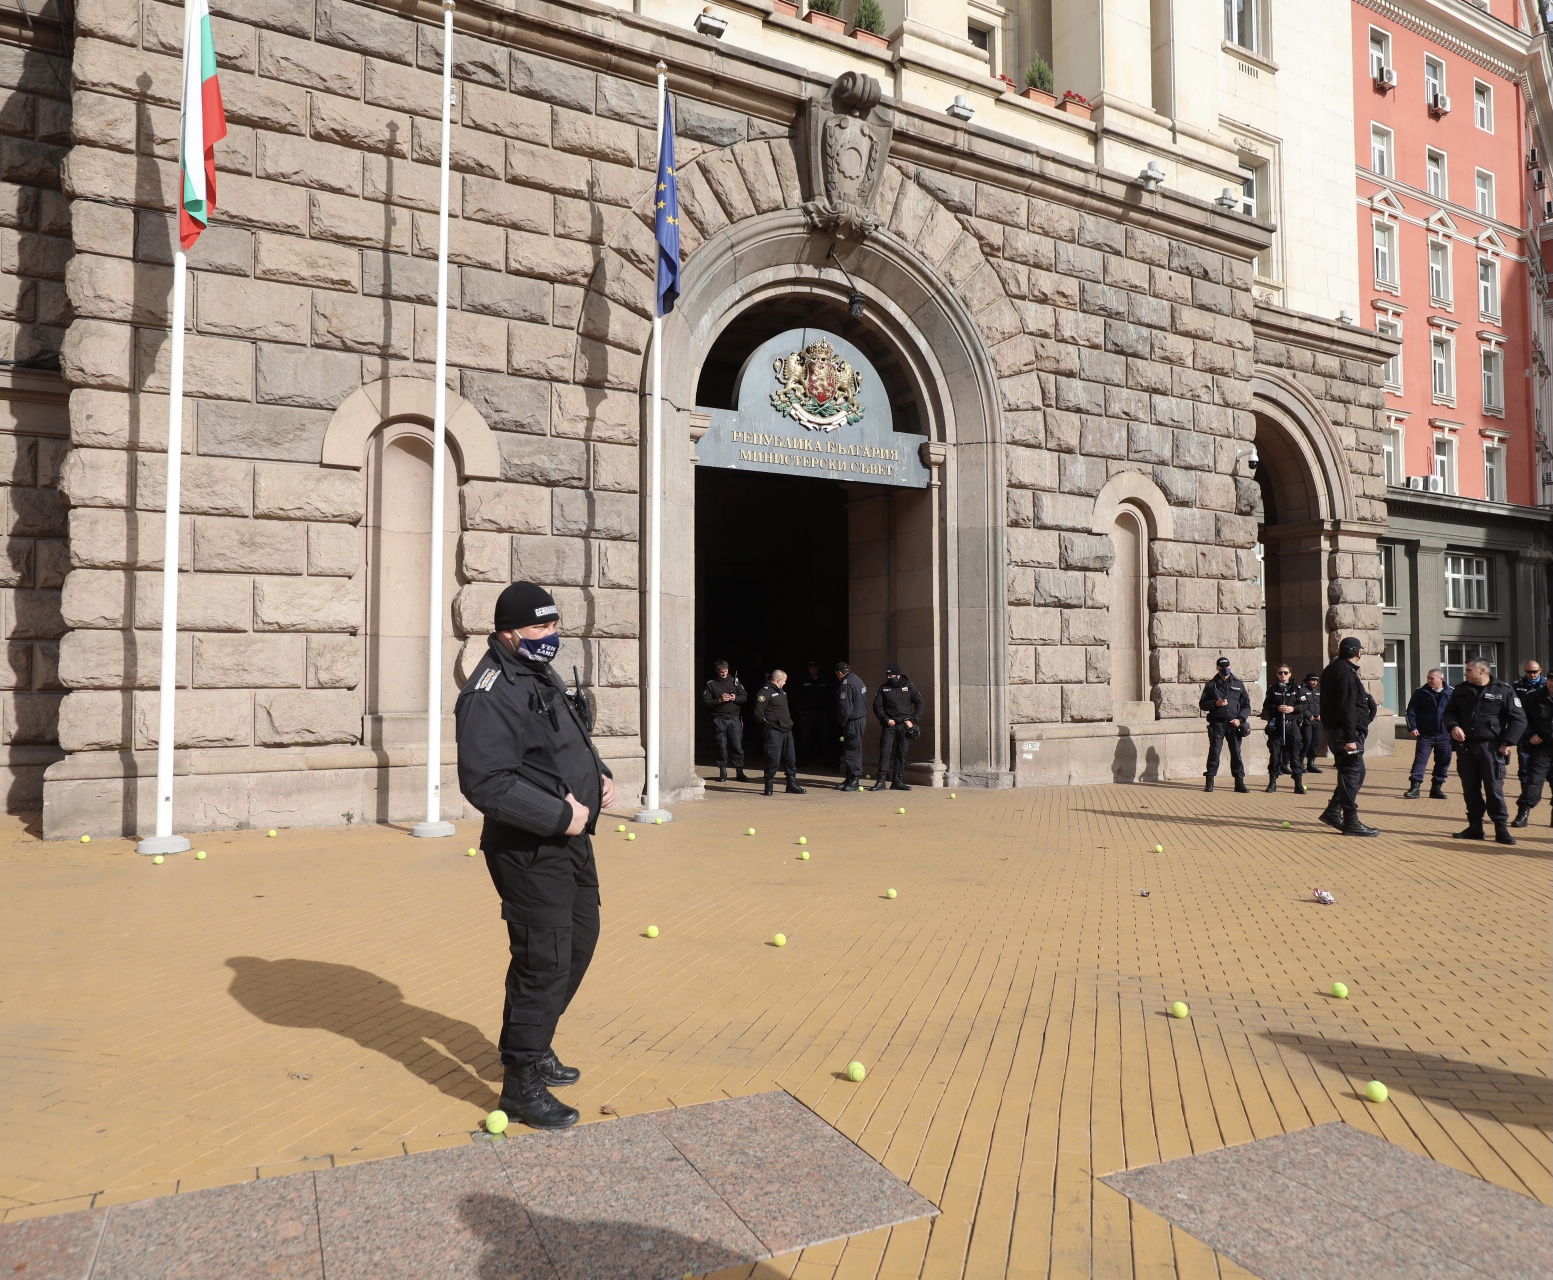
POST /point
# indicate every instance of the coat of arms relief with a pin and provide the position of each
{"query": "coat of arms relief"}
(847, 137)
(818, 390)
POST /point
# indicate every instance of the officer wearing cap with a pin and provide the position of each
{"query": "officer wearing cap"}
(1485, 720)
(526, 762)
(898, 708)
(1346, 712)
(851, 715)
(1228, 705)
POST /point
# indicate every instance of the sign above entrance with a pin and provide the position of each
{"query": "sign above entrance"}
(810, 403)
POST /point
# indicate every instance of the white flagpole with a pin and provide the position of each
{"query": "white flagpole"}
(650, 811)
(433, 825)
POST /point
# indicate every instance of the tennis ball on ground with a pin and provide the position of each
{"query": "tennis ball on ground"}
(270, 833)
(803, 855)
(890, 893)
(652, 931)
(779, 940)
(158, 859)
(1179, 1009)
(621, 827)
(803, 839)
(630, 835)
(1159, 848)
(496, 1122)
(750, 832)
(469, 853)
(1286, 822)
(658, 821)
(86, 839)
(900, 811)
(856, 1071)
(1340, 990)
(952, 796)
(200, 856)
(1375, 1091)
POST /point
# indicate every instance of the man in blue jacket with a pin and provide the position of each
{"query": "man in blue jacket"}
(1424, 722)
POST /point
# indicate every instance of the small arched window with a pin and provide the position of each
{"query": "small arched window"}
(1130, 682)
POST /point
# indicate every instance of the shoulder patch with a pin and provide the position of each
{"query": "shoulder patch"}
(487, 680)
(760, 697)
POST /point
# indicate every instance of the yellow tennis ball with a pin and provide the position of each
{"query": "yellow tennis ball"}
(658, 821)
(158, 859)
(1285, 823)
(621, 827)
(856, 1071)
(1159, 848)
(900, 811)
(1179, 1009)
(1340, 990)
(803, 855)
(652, 931)
(750, 832)
(779, 940)
(86, 839)
(630, 835)
(803, 839)
(496, 1122)
(271, 832)
(1375, 1091)
(200, 856)
(952, 796)
(890, 893)
(469, 853)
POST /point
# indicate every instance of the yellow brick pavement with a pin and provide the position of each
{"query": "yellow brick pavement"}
(333, 996)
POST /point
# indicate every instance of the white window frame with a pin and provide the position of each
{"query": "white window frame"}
(1432, 64)
(1444, 460)
(1442, 190)
(1466, 583)
(1455, 654)
(1251, 10)
(1380, 59)
(1440, 282)
(1391, 371)
(1494, 478)
(1385, 257)
(1482, 189)
(1393, 453)
(1483, 106)
(1388, 574)
(1442, 368)
(1488, 288)
(1492, 364)
(1383, 158)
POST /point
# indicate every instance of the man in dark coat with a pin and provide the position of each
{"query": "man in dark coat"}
(1532, 679)
(725, 697)
(1228, 705)
(1346, 712)
(813, 708)
(898, 708)
(1536, 745)
(1485, 720)
(1312, 721)
(1284, 710)
(775, 718)
(851, 716)
(526, 762)
(1430, 736)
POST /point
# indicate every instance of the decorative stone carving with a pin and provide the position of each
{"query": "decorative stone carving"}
(846, 138)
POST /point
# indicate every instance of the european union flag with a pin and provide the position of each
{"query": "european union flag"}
(666, 208)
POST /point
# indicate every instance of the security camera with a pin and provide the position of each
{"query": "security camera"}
(1254, 463)
(1251, 454)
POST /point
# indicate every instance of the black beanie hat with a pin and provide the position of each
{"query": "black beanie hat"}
(524, 604)
(1350, 646)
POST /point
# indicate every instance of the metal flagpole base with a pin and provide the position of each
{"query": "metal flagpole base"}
(653, 815)
(431, 830)
(162, 844)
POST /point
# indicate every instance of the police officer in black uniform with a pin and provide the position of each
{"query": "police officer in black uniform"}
(1532, 679)
(526, 762)
(1485, 720)
(1312, 720)
(813, 701)
(1536, 745)
(851, 715)
(775, 717)
(898, 708)
(1228, 705)
(1284, 710)
(1346, 712)
(725, 697)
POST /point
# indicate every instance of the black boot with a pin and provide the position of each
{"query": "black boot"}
(1272, 784)
(1522, 816)
(1352, 826)
(1331, 815)
(524, 1097)
(1437, 791)
(770, 787)
(899, 784)
(1502, 833)
(742, 776)
(555, 1073)
(880, 785)
(1299, 786)
(1412, 792)
(1240, 786)
(1310, 767)
(1472, 831)
(793, 789)
(722, 774)
(1208, 785)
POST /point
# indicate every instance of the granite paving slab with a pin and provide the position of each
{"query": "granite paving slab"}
(619, 1200)
(1332, 1202)
(263, 1230)
(791, 1176)
(60, 1248)
(445, 1213)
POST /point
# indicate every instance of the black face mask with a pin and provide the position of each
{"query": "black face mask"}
(542, 649)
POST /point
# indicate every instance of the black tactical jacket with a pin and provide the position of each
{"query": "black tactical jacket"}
(1486, 713)
(1538, 705)
(1238, 705)
(521, 748)
(851, 698)
(712, 698)
(771, 708)
(1285, 695)
(1346, 706)
(898, 701)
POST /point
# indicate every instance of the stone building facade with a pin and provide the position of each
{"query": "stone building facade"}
(1085, 359)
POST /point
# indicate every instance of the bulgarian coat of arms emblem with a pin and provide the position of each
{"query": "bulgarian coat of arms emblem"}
(819, 390)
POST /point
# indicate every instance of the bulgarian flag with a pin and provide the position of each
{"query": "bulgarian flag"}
(204, 124)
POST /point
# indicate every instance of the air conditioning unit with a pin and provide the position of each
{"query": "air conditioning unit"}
(1439, 103)
(1416, 482)
(1547, 210)
(1434, 484)
(1387, 79)
(1531, 158)
(1538, 180)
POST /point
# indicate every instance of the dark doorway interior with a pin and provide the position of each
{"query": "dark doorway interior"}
(771, 587)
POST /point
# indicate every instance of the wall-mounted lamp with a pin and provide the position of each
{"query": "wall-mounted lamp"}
(960, 109)
(709, 24)
(1229, 200)
(1151, 177)
(855, 300)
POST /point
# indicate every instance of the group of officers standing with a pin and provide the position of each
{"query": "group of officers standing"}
(802, 725)
(1480, 723)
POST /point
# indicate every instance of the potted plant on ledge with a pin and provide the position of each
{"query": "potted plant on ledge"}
(785, 9)
(870, 25)
(826, 15)
(1039, 81)
(1075, 104)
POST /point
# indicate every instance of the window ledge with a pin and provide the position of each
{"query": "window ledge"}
(1495, 411)
(1385, 286)
(1447, 402)
(1489, 318)
(1443, 303)
(1251, 56)
(1472, 613)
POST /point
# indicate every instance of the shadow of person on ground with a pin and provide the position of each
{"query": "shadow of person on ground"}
(453, 1056)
